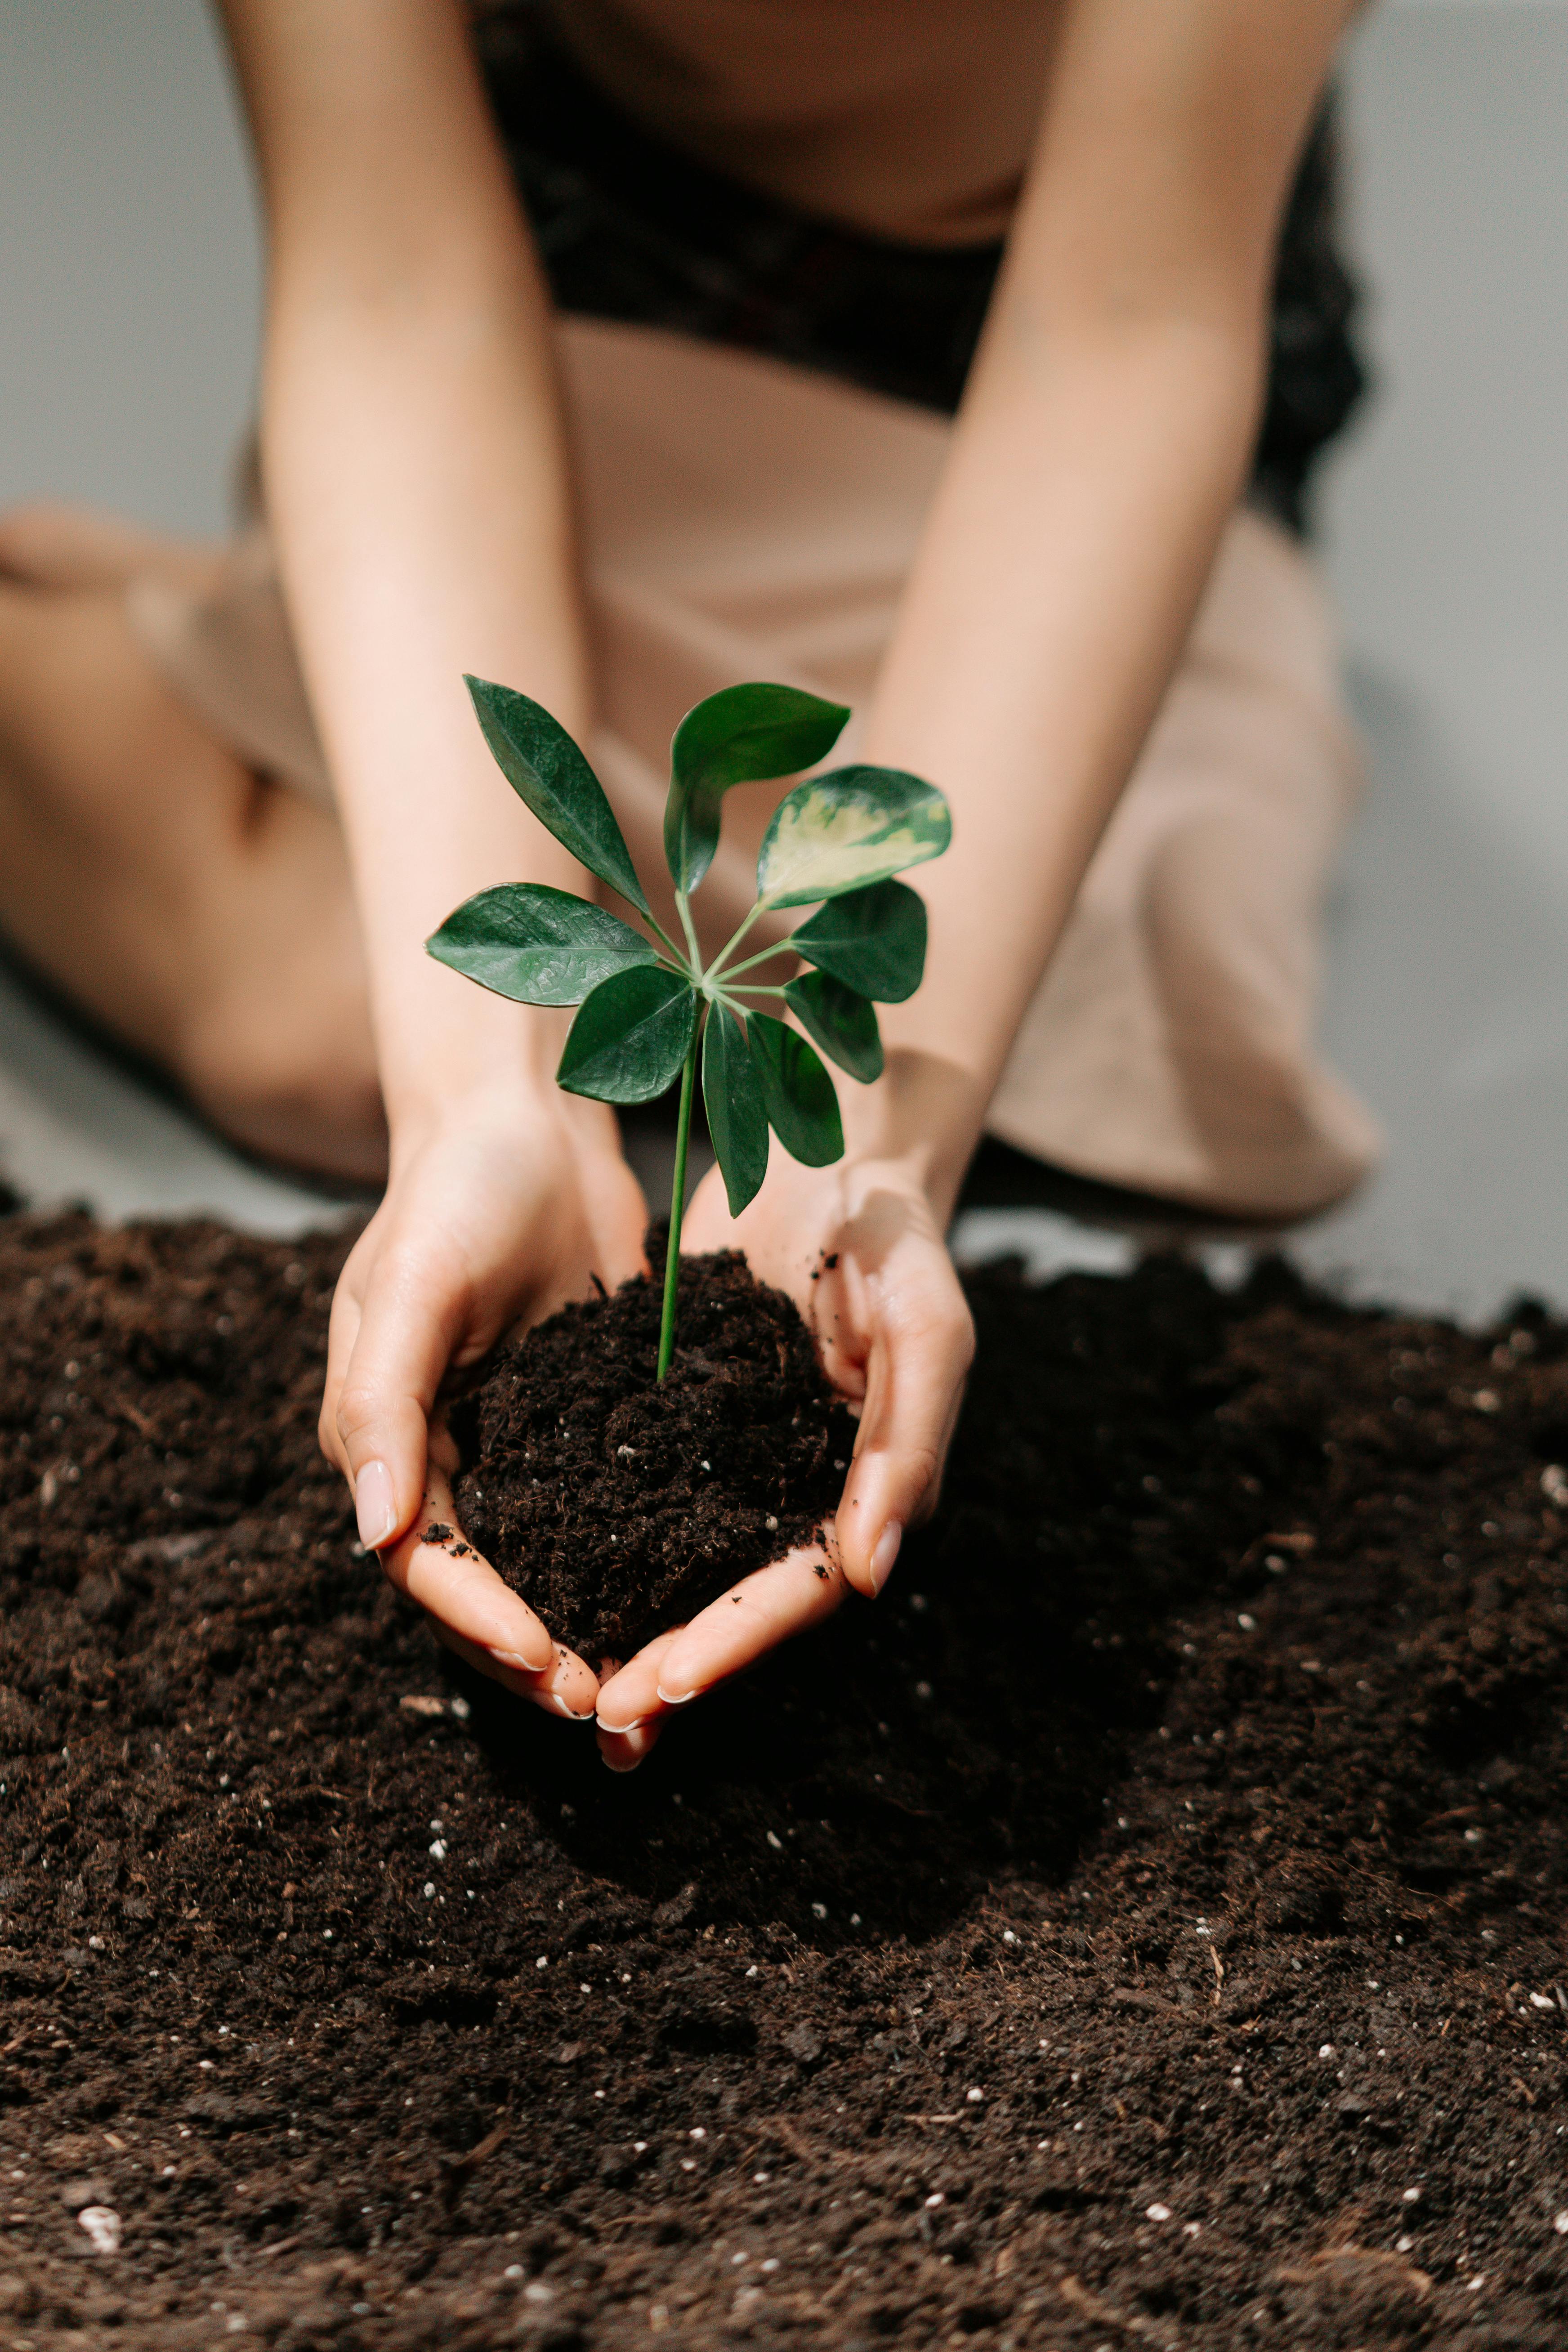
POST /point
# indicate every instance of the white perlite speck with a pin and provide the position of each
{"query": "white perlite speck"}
(101, 2224)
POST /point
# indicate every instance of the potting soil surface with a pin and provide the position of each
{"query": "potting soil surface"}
(617, 1504)
(1143, 1926)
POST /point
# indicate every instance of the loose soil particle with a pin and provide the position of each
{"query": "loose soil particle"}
(619, 1506)
(1143, 1926)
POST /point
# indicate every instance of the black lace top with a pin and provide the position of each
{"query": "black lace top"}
(631, 230)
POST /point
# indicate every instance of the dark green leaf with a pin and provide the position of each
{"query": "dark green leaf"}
(803, 1109)
(737, 737)
(847, 829)
(873, 940)
(536, 945)
(546, 770)
(737, 1115)
(631, 1036)
(843, 1024)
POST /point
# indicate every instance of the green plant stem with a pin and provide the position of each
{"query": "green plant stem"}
(727, 972)
(663, 937)
(683, 908)
(677, 1208)
(720, 960)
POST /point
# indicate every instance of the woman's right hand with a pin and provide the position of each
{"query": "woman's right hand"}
(494, 1214)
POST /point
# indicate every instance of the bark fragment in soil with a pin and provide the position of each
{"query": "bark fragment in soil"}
(619, 1506)
(1143, 1926)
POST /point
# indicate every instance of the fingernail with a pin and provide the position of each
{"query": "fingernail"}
(375, 1505)
(524, 1665)
(676, 1698)
(616, 1730)
(886, 1553)
(640, 1741)
(562, 1707)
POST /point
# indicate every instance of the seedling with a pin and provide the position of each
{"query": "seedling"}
(649, 1008)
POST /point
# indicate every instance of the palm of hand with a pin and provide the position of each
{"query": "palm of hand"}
(860, 1251)
(485, 1227)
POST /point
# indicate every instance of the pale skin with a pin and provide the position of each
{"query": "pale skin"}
(417, 481)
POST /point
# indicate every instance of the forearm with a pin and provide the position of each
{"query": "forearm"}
(400, 578)
(417, 484)
(1103, 443)
(1071, 541)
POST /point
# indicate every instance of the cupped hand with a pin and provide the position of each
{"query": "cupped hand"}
(493, 1216)
(859, 1248)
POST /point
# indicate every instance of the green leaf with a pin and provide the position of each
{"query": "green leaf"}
(873, 940)
(737, 1115)
(803, 1109)
(843, 1024)
(737, 737)
(631, 1036)
(547, 772)
(536, 945)
(847, 829)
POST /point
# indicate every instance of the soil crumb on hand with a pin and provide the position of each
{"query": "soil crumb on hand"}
(619, 1506)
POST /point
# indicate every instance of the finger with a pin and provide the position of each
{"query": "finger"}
(750, 1619)
(462, 1592)
(628, 1698)
(626, 1752)
(343, 1330)
(566, 1686)
(405, 1339)
(922, 1348)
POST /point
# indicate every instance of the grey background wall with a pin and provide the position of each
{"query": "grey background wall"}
(1445, 522)
(128, 305)
(129, 260)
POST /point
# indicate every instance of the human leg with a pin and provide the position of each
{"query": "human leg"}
(199, 913)
(47, 544)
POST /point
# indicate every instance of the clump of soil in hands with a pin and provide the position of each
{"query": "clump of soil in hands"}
(618, 1506)
(1144, 1926)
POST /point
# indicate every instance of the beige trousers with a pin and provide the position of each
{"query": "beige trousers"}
(745, 520)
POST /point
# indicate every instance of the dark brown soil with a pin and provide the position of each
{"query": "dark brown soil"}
(618, 1506)
(1142, 1928)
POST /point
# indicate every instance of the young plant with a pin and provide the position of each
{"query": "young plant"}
(648, 1008)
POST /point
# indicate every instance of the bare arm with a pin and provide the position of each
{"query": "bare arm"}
(416, 480)
(1101, 448)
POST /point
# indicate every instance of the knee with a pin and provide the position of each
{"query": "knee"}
(38, 542)
(291, 1075)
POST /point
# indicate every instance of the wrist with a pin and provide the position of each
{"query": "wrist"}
(918, 1122)
(471, 1064)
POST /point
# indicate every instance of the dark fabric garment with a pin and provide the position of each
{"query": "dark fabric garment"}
(630, 229)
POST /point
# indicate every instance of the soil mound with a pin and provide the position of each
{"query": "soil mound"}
(618, 1506)
(1144, 1926)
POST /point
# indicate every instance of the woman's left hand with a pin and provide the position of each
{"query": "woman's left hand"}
(859, 1248)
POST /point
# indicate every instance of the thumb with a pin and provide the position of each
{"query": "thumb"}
(920, 1352)
(380, 1416)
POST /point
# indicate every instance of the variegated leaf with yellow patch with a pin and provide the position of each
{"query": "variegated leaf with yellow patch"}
(853, 826)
